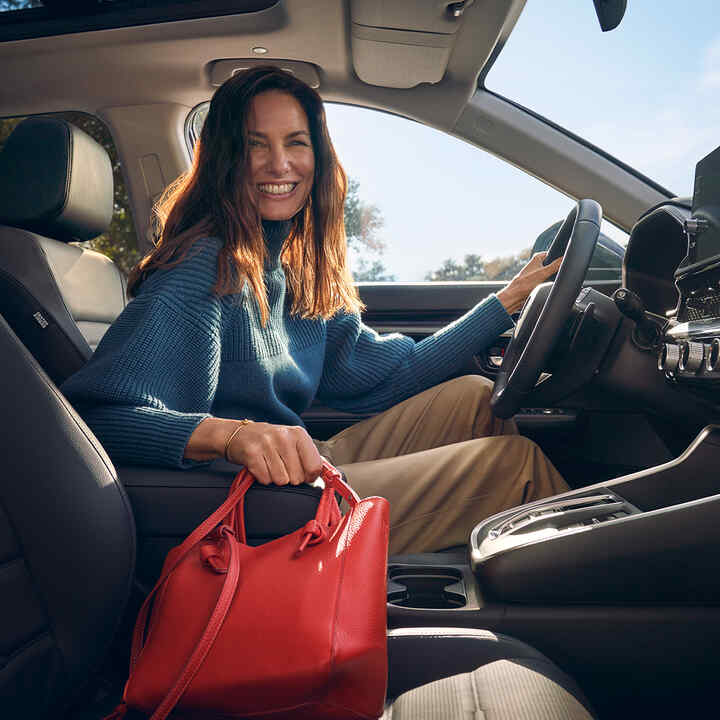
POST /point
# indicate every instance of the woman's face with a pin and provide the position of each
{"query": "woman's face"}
(281, 157)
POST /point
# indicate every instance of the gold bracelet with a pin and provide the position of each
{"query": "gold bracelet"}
(241, 424)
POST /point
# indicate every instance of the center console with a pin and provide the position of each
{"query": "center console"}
(613, 582)
(652, 536)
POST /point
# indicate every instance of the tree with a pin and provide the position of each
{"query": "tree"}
(371, 271)
(362, 221)
(362, 224)
(475, 268)
(505, 268)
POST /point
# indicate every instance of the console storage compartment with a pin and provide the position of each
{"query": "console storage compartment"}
(426, 587)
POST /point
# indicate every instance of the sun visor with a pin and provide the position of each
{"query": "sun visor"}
(404, 43)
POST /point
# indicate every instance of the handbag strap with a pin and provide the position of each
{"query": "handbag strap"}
(243, 481)
(209, 635)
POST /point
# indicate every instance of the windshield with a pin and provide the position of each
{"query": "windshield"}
(646, 92)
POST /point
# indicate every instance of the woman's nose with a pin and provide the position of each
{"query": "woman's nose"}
(279, 160)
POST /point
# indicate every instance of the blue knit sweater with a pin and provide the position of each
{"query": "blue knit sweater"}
(179, 354)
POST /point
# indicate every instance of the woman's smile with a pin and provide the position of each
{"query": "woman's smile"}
(276, 191)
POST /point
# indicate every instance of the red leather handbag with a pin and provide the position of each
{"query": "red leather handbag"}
(294, 628)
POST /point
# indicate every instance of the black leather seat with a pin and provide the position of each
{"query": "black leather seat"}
(67, 542)
(67, 534)
(56, 186)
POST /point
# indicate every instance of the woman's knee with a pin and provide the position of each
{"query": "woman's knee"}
(471, 386)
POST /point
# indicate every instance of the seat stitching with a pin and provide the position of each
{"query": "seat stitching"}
(475, 692)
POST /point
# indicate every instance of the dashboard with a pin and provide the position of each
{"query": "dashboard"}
(673, 264)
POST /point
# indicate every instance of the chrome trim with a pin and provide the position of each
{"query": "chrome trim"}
(524, 515)
(669, 357)
(695, 329)
(425, 329)
(692, 356)
(406, 329)
(712, 357)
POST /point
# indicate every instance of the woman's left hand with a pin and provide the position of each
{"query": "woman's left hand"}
(514, 294)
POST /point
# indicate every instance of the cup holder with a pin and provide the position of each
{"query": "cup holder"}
(426, 587)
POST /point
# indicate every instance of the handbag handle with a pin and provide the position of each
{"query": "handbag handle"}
(327, 512)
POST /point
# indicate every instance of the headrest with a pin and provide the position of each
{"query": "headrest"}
(55, 180)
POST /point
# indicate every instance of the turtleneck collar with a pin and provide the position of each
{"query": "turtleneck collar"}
(275, 232)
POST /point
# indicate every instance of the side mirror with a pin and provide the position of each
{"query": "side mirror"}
(610, 13)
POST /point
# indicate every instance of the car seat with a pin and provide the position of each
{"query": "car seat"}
(56, 186)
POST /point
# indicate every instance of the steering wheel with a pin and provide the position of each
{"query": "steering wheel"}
(547, 310)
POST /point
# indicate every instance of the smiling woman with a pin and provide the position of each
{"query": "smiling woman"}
(245, 312)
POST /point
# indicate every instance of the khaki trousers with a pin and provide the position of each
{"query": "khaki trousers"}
(444, 462)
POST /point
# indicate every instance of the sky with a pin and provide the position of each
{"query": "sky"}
(647, 93)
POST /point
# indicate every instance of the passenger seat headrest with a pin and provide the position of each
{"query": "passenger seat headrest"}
(55, 180)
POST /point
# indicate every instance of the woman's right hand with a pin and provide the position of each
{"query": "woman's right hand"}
(274, 454)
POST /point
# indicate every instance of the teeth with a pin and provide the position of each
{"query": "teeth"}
(274, 189)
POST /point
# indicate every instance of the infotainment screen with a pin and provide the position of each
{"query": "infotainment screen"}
(706, 207)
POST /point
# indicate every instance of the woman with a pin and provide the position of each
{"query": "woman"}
(245, 312)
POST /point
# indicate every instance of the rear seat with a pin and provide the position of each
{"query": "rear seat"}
(56, 186)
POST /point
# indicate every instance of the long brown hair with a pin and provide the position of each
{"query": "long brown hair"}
(214, 198)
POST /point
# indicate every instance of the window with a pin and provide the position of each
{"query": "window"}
(423, 205)
(645, 92)
(119, 242)
(442, 209)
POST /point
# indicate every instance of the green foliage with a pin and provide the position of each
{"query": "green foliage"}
(362, 223)
(475, 268)
(371, 271)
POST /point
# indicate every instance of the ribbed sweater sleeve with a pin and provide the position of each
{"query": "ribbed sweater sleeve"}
(153, 378)
(367, 372)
